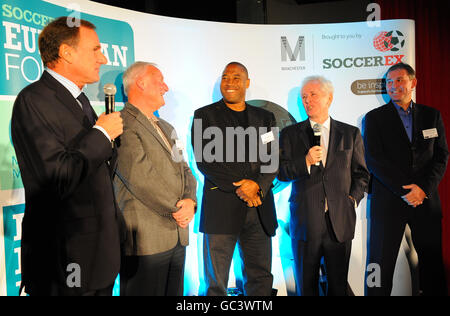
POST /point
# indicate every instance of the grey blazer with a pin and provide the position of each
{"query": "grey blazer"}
(149, 182)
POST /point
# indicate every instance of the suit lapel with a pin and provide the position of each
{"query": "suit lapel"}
(306, 134)
(166, 128)
(167, 131)
(144, 121)
(417, 123)
(254, 120)
(66, 99)
(394, 119)
(334, 141)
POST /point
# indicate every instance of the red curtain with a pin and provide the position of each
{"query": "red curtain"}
(433, 73)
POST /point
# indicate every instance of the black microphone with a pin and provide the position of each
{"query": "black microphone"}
(110, 103)
(317, 129)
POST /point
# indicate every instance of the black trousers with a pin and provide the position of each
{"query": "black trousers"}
(307, 258)
(255, 249)
(160, 274)
(386, 233)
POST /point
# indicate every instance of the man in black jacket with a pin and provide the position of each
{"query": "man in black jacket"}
(329, 180)
(407, 153)
(237, 205)
(70, 231)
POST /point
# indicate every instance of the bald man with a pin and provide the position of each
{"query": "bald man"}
(155, 190)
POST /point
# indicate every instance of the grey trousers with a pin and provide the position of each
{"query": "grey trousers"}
(161, 274)
(255, 249)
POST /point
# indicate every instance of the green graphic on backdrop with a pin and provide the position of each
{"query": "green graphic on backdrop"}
(9, 169)
(12, 220)
(21, 21)
(20, 63)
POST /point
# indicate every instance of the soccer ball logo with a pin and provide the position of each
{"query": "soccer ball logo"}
(389, 41)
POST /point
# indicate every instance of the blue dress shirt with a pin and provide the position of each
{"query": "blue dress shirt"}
(406, 117)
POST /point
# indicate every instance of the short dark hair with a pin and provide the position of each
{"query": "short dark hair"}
(58, 32)
(410, 70)
(236, 63)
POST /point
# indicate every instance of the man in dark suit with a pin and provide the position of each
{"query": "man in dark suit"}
(328, 181)
(70, 231)
(237, 205)
(407, 153)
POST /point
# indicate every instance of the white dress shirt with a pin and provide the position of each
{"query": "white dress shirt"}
(324, 142)
(324, 139)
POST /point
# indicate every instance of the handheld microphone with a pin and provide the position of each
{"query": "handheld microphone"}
(317, 129)
(110, 103)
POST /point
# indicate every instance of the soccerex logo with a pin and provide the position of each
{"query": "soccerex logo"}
(389, 41)
(392, 41)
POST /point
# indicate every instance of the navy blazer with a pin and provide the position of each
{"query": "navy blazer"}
(70, 212)
(395, 161)
(344, 175)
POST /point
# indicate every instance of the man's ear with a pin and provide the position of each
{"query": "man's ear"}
(414, 83)
(66, 53)
(140, 82)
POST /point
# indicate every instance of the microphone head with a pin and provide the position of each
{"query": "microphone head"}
(109, 89)
(317, 129)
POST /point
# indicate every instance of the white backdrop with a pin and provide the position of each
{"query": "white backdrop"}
(192, 55)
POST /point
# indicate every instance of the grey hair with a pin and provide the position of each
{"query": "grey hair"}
(134, 71)
(325, 84)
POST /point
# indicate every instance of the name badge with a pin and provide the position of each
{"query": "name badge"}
(267, 137)
(179, 144)
(430, 133)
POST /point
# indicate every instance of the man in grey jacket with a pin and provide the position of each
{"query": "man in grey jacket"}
(155, 189)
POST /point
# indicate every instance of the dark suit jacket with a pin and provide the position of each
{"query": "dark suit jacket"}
(222, 211)
(394, 161)
(70, 212)
(345, 174)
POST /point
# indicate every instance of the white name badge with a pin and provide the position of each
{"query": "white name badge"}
(430, 133)
(179, 144)
(267, 137)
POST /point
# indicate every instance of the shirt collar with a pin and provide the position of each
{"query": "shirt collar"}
(325, 124)
(69, 85)
(399, 108)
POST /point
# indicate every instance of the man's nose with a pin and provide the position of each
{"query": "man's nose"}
(102, 59)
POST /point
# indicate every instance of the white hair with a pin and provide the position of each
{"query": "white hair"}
(325, 84)
(134, 71)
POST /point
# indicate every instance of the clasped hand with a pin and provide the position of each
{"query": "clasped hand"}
(248, 192)
(415, 197)
(185, 213)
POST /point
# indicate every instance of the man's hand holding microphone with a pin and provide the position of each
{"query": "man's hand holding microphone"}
(112, 124)
(110, 120)
(314, 156)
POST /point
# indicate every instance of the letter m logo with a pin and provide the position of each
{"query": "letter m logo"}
(299, 50)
